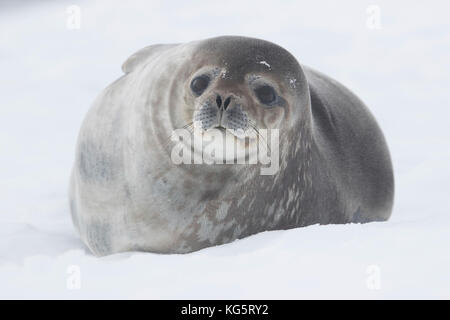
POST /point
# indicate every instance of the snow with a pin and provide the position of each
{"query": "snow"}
(50, 74)
(264, 63)
(292, 82)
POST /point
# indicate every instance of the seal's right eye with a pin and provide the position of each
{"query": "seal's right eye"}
(199, 84)
(266, 94)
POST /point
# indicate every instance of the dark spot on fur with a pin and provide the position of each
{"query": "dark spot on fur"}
(95, 164)
(210, 195)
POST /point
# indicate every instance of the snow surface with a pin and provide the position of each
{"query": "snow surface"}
(49, 75)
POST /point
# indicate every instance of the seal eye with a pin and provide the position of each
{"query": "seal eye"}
(199, 84)
(266, 94)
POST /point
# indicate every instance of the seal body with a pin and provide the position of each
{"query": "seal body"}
(127, 195)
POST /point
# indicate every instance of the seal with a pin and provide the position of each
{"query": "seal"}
(126, 193)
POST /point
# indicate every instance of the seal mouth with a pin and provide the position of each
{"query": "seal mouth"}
(202, 142)
(238, 134)
(221, 128)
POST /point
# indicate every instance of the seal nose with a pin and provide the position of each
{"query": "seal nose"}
(219, 101)
(225, 104)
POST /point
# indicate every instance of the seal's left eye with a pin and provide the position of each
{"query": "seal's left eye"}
(266, 94)
(199, 84)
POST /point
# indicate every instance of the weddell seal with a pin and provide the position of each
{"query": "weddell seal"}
(127, 193)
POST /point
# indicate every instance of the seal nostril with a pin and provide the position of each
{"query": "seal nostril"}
(219, 101)
(226, 103)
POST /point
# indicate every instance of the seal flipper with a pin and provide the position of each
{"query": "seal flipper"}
(142, 56)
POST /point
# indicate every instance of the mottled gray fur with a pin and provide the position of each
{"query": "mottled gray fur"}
(126, 194)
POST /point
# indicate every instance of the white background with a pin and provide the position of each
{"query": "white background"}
(49, 76)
